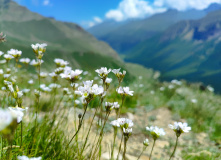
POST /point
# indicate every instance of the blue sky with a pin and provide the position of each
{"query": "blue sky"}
(91, 12)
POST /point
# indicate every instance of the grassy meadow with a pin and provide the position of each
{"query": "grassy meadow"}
(50, 111)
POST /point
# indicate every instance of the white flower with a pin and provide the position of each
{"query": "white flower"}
(118, 73)
(162, 88)
(180, 127)
(116, 105)
(115, 123)
(127, 131)
(124, 122)
(5, 118)
(43, 75)
(171, 86)
(155, 131)
(103, 72)
(17, 112)
(8, 57)
(146, 142)
(108, 80)
(6, 76)
(31, 81)
(71, 75)
(25, 60)
(3, 61)
(59, 70)
(176, 82)
(60, 62)
(125, 91)
(15, 53)
(39, 47)
(54, 85)
(1, 53)
(194, 100)
(85, 72)
(20, 94)
(26, 158)
(211, 89)
(36, 63)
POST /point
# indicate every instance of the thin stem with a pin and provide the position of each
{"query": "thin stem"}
(123, 97)
(79, 126)
(120, 146)
(152, 149)
(112, 151)
(125, 147)
(174, 148)
(21, 135)
(85, 142)
(101, 134)
(144, 148)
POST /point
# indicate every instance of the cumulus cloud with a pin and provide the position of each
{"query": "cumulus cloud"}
(133, 9)
(88, 24)
(46, 2)
(183, 5)
(141, 8)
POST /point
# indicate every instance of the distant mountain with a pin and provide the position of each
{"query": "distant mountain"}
(66, 40)
(122, 37)
(189, 49)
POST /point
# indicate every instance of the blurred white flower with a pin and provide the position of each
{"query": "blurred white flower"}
(176, 82)
(1, 53)
(180, 127)
(125, 91)
(31, 81)
(25, 60)
(124, 122)
(171, 86)
(43, 75)
(108, 80)
(146, 142)
(103, 72)
(8, 57)
(211, 89)
(71, 75)
(5, 118)
(17, 112)
(15, 53)
(155, 131)
(26, 158)
(60, 62)
(194, 100)
(162, 88)
(115, 123)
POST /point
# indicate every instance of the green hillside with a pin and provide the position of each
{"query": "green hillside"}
(188, 49)
(23, 28)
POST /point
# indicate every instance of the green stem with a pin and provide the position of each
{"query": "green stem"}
(125, 147)
(123, 97)
(142, 152)
(112, 151)
(79, 126)
(174, 148)
(152, 149)
(21, 135)
(120, 146)
(85, 142)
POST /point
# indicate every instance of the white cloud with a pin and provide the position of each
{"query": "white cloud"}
(133, 9)
(88, 24)
(97, 20)
(141, 8)
(185, 4)
(46, 2)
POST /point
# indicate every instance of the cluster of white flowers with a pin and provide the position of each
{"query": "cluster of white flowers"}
(36, 63)
(60, 62)
(25, 60)
(176, 82)
(103, 72)
(15, 53)
(125, 91)
(8, 57)
(26, 158)
(155, 132)
(18, 112)
(179, 128)
(39, 47)
(71, 75)
(120, 75)
(89, 90)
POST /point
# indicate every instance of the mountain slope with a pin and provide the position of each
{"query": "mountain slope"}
(23, 27)
(122, 37)
(188, 49)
